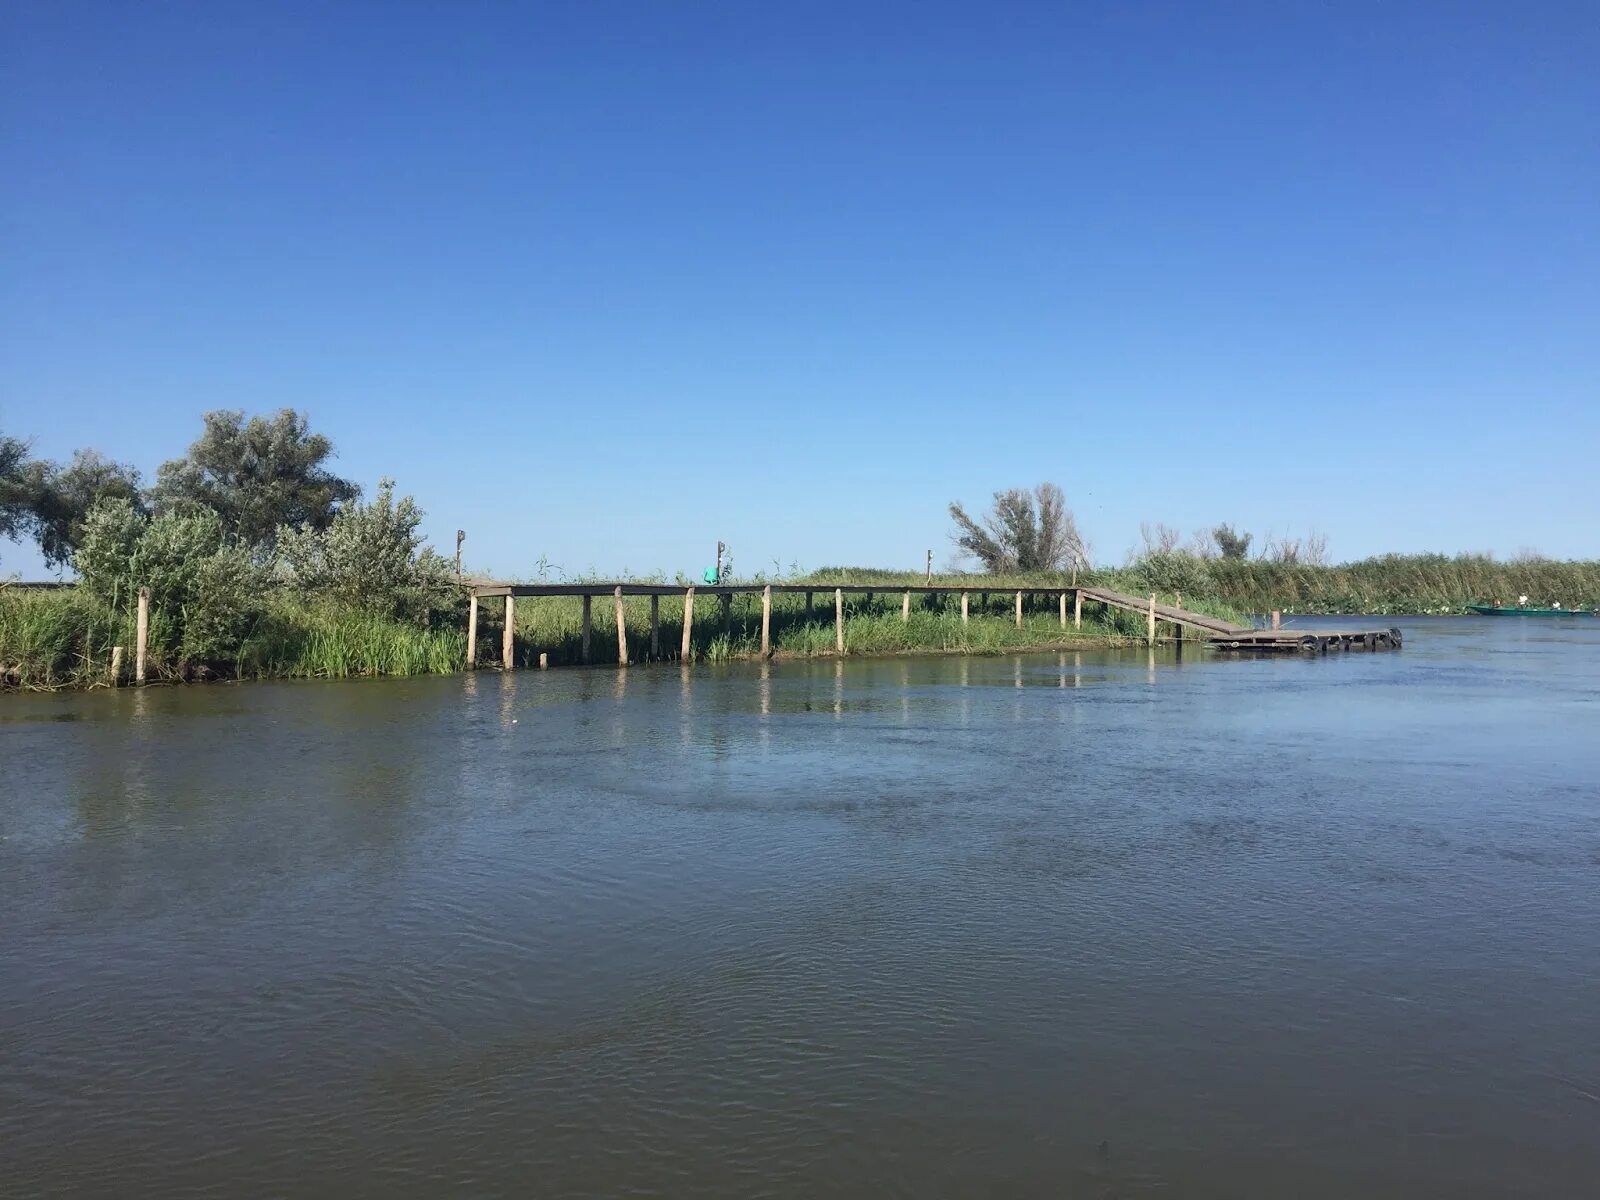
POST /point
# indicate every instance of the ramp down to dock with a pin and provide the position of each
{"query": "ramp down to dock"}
(1225, 635)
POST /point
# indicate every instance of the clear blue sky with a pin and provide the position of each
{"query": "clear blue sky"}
(606, 282)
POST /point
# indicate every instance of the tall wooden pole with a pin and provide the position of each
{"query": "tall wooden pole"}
(688, 625)
(838, 619)
(964, 600)
(1019, 610)
(655, 626)
(1150, 632)
(766, 620)
(508, 635)
(472, 632)
(622, 629)
(1063, 610)
(116, 666)
(929, 576)
(1077, 608)
(141, 636)
(586, 628)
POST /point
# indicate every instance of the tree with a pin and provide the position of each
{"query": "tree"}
(1231, 544)
(1022, 531)
(64, 498)
(18, 489)
(370, 557)
(257, 476)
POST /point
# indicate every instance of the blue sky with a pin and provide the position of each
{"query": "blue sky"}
(603, 283)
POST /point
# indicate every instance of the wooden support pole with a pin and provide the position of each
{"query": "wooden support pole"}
(1077, 608)
(905, 606)
(838, 619)
(808, 606)
(116, 665)
(1277, 619)
(1063, 610)
(688, 625)
(622, 629)
(586, 628)
(655, 626)
(766, 620)
(544, 661)
(508, 636)
(472, 632)
(1150, 632)
(727, 613)
(141, 636)
(1019, 610)
(964, 596)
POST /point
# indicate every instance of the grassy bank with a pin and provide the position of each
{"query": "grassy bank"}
(65, 638)
(54, 639)
(1401, 584)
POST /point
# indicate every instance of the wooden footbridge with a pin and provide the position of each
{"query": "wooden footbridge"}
(1182, 623)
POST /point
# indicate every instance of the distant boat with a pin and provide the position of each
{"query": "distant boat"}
(1491, 610)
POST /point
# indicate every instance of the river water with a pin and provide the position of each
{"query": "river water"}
(1100, 924)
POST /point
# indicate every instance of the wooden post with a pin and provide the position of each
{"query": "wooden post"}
(808, 606)
(766, 620)
(1150, 631)
(688, 625)
(586, 628)
(655, 626)
(544, 661)
(622, 629)
(1019, 610)
(905, 606)
(1277, 619)
(929, 577)
(1063, 610)
(508, 636)
(472, 632)
(838, 619)
(1077, 608)
(964, 607)
(727, 612)
(116, 665)
(141, 636)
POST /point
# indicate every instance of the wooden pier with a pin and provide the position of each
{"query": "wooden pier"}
(1183, 624)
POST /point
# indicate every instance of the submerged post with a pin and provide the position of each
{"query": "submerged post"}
(766, 620)
(688, 625)
(655, 626)
(586, 628)
(1019, 610)
(838, 619)
(141, 636)
(905, 606)
(622, 629)
(1150, 631)
(472, 632)
(116, 665)
(964, 596)
(508, 635)
(1077, 608)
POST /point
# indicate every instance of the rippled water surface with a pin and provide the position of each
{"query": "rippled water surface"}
(1089, 925)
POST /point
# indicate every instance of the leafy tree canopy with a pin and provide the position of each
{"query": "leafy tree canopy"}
(256, 475)
(1022, 531)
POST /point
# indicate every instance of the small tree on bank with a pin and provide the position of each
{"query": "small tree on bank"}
(1022, 531)
(371, 557)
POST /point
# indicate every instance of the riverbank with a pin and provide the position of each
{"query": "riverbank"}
(65, 638)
